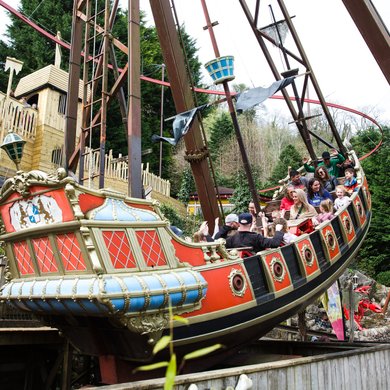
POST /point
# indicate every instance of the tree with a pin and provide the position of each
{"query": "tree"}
(374, 253)
(221, 130)
(288, 158)
(187, 186)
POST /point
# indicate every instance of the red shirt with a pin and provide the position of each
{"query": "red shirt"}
(286, 204)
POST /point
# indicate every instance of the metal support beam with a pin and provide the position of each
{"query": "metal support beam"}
(373, 30)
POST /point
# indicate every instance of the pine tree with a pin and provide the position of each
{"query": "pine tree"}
(187, 186)
(373, 257)
(289, 157)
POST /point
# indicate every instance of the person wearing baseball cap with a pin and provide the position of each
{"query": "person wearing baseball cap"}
(331, 163)
(230, 227)
(246, 238)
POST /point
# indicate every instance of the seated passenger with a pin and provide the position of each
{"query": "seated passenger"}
(341, 201)
(331, 164)
(348, 163)
(350, 183)
(287, 236)
(301, 208)
(316, 194)
(245, 237)
(326, 212)
(202, 235)
(328, 182)
(287, 200)
(230, 227)
(297, 181)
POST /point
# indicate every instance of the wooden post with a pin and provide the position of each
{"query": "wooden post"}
(351, 313)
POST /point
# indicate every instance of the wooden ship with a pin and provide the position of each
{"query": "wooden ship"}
(104, 267)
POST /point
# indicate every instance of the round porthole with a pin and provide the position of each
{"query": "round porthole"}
(347, 225)
(277, 269)
(330, 239)
(360, 209)
(237, 282)
(308, 255)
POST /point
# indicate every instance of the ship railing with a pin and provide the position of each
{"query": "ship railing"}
(16, 117)
(117, 168)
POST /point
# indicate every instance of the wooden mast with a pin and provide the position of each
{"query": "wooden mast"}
(197, 154)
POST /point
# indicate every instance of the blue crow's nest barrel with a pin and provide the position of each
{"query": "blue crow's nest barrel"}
(221, 69)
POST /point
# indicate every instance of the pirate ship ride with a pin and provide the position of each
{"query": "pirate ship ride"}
(104, 267)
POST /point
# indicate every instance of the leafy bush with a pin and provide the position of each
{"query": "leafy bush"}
(384, 278)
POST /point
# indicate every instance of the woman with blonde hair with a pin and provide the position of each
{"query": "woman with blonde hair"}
(301, 208)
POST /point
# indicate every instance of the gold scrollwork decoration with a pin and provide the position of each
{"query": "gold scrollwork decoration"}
(146, 323)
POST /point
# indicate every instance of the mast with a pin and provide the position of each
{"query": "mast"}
(197, 153)
(296, 112)
(233, 115)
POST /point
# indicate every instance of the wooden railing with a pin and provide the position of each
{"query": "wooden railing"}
(116, 168)
(16, 117)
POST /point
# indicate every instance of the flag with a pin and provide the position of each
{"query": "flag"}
(181, 125)
(332, 304)
(254, 96)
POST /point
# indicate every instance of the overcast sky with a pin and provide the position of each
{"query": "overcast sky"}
(343, 64)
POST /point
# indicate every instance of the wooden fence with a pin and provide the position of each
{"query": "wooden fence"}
(365, 368)
(15, 117)
(116, 168)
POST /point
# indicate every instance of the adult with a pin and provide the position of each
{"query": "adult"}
(301, 208)
(297, 181)
(287, 200)
(230, 227)
(331, 163)
(252, 212)
(328, 182)
(316, 194)
(245, 237)
(202, 235)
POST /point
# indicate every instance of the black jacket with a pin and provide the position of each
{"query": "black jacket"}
(255, 240)
(223, 232)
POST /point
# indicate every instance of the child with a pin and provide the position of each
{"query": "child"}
(341, 201)
(350, 183)
(287, 237)
(326, 212)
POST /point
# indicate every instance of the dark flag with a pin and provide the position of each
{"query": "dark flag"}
(181, 125)
(254, 96)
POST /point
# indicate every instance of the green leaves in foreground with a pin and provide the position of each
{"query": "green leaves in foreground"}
(202, 352)
(166, 341)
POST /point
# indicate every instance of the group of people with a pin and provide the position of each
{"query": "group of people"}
(302, 200)
(304, 197)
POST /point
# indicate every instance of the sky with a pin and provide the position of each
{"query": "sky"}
(342, 63)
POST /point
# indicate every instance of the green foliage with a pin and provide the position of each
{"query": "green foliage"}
(241, 195)
(220, 130)
(30, 46)
(167, 342)
(289, 157)
(187, 186)
(384, 278)
(373, 257)
(188, 225)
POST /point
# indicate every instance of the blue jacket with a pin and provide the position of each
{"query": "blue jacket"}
(317, 198)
